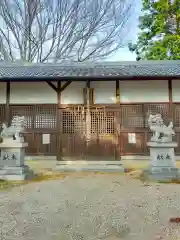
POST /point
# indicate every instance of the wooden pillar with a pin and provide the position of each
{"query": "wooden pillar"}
(7, 110)
(58, 123)
(117, 92)
(88, 85)
(118, 125)
(170, 100)
(88, 113)
(58, 89)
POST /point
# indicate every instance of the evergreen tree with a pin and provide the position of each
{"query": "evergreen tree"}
(159, 37)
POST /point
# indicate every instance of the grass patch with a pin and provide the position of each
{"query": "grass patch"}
(142, 177)
(135, 164)
(173, 181)
(7, 185)
(128, 170)
(38, 177)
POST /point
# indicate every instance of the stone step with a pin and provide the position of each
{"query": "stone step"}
(90, 167)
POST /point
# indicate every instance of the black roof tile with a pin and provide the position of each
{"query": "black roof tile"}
(96, 70)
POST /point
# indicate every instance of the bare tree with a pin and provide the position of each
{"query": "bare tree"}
(59, 30)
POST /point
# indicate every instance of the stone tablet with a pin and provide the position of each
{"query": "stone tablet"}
(162, 155)
(12, 157)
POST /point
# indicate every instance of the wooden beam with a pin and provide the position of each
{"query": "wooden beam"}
(170, 100)
(117, 92)
(58, 123)
(91, 97)
(59, 93)
(85, 95)
(61, 88)
(88, 116)
(65, 85)
(8, 86)
(170, 90)
(52, 85)
(88, 85)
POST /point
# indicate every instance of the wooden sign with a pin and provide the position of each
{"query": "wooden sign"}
(46, 138)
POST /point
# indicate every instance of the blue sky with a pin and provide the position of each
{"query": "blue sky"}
(124, 54)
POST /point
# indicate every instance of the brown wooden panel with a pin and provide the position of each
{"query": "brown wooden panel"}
(132, 115)
(133, 149)
(2, 113)
(102, 122)
(73, 146)
(104, 148)
(45, 149)
(45, 116)
(29, 138)
(98, 138)
(37, 115)
(177, 139)
(176, 114)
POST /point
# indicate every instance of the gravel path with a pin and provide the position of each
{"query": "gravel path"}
(90, 208)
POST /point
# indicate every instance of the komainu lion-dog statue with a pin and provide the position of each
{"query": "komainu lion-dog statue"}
(161, 132)
(14, 130)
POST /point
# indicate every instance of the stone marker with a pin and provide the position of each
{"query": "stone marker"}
(163, 165)
(13, 151)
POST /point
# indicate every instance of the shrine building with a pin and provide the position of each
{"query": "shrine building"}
(90, 111)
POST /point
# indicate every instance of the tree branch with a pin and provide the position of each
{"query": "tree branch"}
(62, 30)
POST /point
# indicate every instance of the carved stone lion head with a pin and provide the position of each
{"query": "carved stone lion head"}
(18, 121)
(155, 120)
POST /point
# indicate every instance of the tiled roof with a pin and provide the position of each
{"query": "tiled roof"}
(94, 70)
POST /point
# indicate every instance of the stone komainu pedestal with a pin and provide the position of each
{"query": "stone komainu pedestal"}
(12, 160)
(163, 165)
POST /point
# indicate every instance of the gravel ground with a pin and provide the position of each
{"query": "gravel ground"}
(108, 206)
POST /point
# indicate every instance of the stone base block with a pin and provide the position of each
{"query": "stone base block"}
(12, 157)
(162, 173)
(15, 173)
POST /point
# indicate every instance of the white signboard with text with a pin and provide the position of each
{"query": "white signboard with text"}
(46, 138)
(132, 138)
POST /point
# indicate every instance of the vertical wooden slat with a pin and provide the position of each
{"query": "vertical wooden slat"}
(91, 97)
(85, 95)
(170, 90)
(117, 126)
(88, 85)
(117, 92)
(170, 99)
(33, 116)
(144, 115)
(144, 126)
(58, 122)
(8, 86)
(88, 117)
(88, 95)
